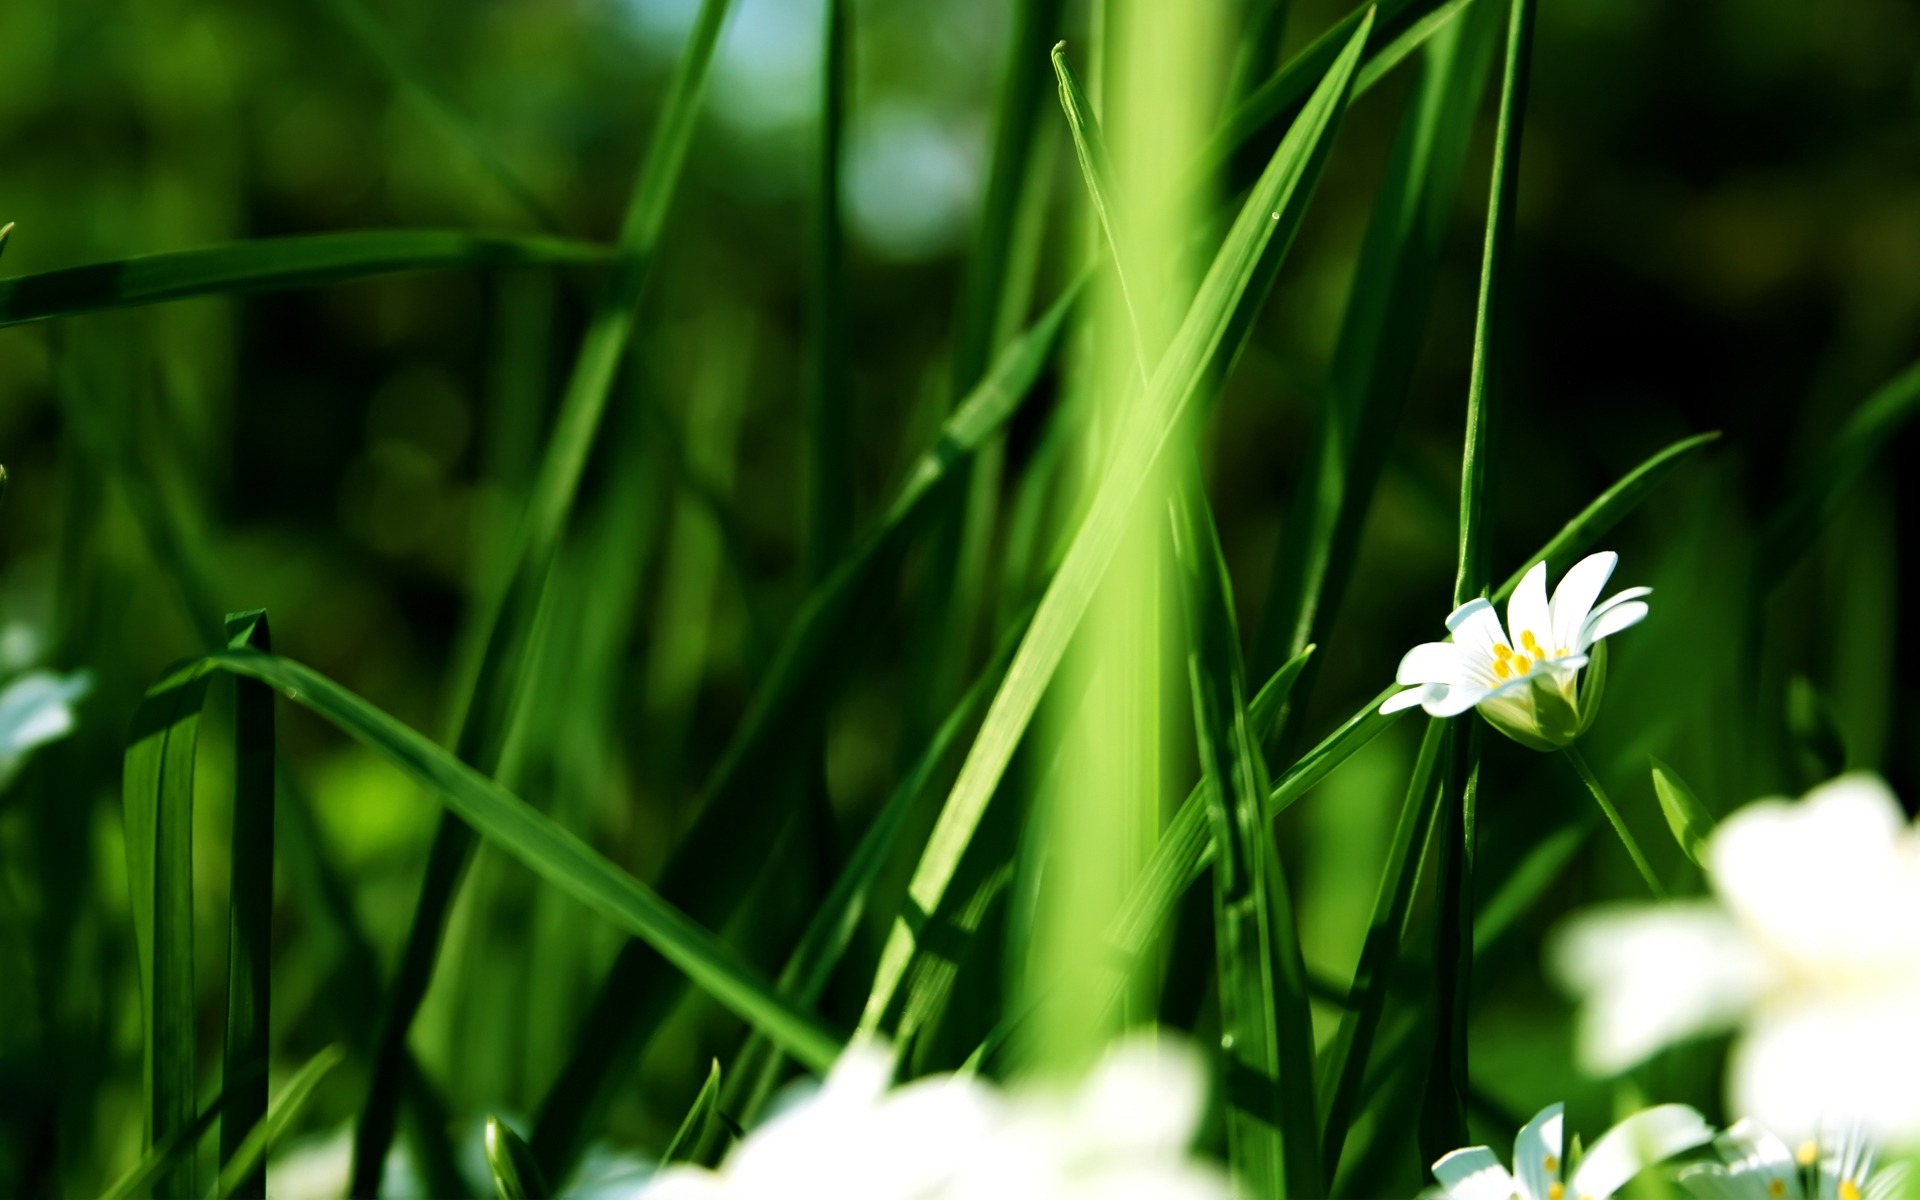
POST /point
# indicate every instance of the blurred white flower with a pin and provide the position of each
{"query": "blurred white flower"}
(1528, 686)
(1539, 1157)
(1123, 1133)
(35, 709)
(1757, 1165)
(1811, 948)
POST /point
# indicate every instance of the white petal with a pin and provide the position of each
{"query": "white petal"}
(1476, 627)
(1431, 662)
(1527, 610)
(1538, 1145)
(1456, 701)
(1826, 883)
(1610, 622)
(1711, 1181)
(1146, 1096)
(1651, 975)
(37, 708)
(1758, 1158)
(1413, 696)
(687, 1183)
(1574, 598)
(1801, 1067)
(1473, 1174)
(1645, 1138)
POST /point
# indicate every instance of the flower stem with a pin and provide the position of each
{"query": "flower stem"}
(1613, 814)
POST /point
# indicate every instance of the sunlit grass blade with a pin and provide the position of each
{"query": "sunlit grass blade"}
(411, 82)
(249, 1159)
(693, 1129)
(1266, 1027)
(515, 1175)
(551, 852)
(157, 788)
(1443, 1119)
(1353, 1043)
(273, 264)
(1380, 337)
(739, 817)
(1235, 284)
(486, 712)
(6, 232)
(250, 906)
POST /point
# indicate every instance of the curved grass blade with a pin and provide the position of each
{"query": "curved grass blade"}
(510, 614)
(738, 820)
(249, 1159)
(1266, 1026)
(1235, 284)
(693, 1129)
(515, 1175)
(249, 906)
(163, 1156)
(272, 264)
(6, 232)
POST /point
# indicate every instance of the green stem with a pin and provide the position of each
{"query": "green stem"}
(1613, 814)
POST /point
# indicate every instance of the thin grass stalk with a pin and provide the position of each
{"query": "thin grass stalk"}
(249, 908)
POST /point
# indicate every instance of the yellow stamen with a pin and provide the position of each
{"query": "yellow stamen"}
(1806, 1154)
(1562, 652)
(1501, 669)
(1522, 664)
(1550, 1163)
(1532, 644)
(1502, 652)
(1777, 1187)
(1556, 1190)
(1849, 1190)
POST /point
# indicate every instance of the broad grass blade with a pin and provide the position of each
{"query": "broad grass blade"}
(249, 906)
(1221, 312)
(272, 264)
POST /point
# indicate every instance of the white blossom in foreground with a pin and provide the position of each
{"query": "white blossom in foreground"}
(1539, 1157)
(1530, 685)
(1124, 1134)
(1757, 1165)
(1811, 948)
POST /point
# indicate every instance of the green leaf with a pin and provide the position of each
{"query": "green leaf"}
(272, 264)
(509, 617)
(249, 1160)
(693, 1128)
(249, 904)
(1689, 819)
(1266, 1024)
(515, 1175)
(1221, 312)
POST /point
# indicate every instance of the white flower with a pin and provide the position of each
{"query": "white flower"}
(1528, 686)
(37, 708)
(1539, 1157)
(1811, 948)
(1757, 1165)
(1123, 1133)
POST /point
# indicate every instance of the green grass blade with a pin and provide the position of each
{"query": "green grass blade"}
(249, 1159)
(411, 82)
(508, 625)
(1266, 1027)
(250, 905)
(1443, 1121)
(535, 840)
(164, 1155)
(1221, 312)
(693, 1129)
(272, 264)
(157, 789)
(829, 421)
(739, 818)
(515, 1175)
(1379, 342)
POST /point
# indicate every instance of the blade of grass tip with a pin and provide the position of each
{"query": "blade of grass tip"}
(1687, 817)
(249, 904)
(1266, 1025)
(1794, 525)
(272, 264)
(164, 1155)
(1219, 316)
(829, 423)
(738, 823)
(515, 1175)
(1379, 952)
(6, 232)
(410, 81)
(1379, 340)
(693, 1128)
(1443, 1122)
(489, 701)
(249, 1159)
(535, 840)
(157, 789)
